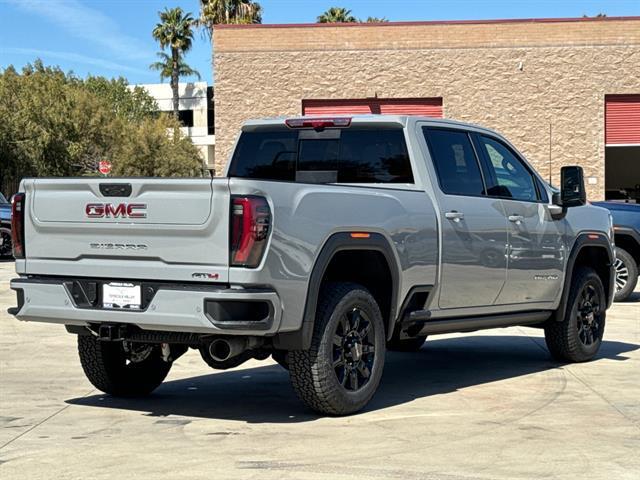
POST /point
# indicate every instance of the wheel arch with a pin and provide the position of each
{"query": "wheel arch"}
(628, 239)
(341, 246)
(590, 249)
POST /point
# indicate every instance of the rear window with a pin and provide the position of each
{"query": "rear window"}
(333, 156)
(455, 161)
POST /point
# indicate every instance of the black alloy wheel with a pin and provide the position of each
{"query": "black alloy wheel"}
(589, 315)
(353, 349)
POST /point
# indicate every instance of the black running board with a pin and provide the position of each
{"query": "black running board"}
(469, 324)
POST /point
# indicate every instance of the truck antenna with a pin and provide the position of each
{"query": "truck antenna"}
(549, 153)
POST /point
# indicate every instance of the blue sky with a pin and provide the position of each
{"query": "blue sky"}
(113, 37)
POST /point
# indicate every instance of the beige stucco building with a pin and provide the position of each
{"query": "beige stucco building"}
(545, 84)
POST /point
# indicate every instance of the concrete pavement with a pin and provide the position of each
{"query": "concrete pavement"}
(490, 405)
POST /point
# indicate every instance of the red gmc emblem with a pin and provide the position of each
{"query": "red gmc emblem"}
(122, 210)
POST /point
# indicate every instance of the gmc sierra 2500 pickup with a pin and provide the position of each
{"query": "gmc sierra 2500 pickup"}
(328, 241)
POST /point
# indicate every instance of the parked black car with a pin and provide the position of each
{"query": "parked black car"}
(5, 227)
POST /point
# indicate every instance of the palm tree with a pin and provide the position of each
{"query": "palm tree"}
(337, 15)
(165, 67)
(175, 31)
(375, 20)
(213, 12)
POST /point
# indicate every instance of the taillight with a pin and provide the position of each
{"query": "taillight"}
(250, 223)
(17, 224)
(318, 123)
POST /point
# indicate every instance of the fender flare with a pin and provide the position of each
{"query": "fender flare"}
(339, 242)
(583, 240)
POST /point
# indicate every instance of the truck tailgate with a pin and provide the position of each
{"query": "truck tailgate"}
(161, 229)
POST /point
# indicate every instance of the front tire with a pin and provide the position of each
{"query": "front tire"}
(626, 275)
(341, 371)
(578, 336)
(125, 372)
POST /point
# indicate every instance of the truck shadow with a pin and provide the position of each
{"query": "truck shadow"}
(264, 394)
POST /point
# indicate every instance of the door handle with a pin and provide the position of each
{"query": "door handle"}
(454, 215)
(516, 218)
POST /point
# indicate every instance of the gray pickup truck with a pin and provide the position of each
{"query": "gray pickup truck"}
(328, 242)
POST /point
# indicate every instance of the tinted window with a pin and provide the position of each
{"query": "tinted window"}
(266, 156)
(509, 177)
(185, 117)
(374, 156)
(455, 161)
(349, 156)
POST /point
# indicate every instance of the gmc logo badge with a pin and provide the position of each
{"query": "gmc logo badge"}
(122, 210)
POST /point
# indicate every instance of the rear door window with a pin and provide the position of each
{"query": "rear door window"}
(455, 161)
(353, 155)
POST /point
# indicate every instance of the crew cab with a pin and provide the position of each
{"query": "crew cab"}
(327, 242)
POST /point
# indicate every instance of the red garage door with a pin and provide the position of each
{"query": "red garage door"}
(622, 119)
(427, 107)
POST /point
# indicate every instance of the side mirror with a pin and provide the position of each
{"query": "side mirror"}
(572, 191)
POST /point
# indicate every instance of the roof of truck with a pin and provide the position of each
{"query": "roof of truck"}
(366, 119)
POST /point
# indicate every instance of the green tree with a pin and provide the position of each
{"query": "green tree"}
(156, 148)
(337, 15)
(175, 31)
(214, 12)
(131, 103)
(165, 67)
(56, 124)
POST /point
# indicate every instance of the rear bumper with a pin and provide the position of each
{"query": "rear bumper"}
(177, 308)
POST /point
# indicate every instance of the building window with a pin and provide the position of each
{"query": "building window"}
(211, 128)
(186, 118)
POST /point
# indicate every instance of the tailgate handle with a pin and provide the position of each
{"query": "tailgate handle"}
(115, 189)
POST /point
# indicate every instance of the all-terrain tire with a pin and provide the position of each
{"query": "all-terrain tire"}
(105, 365)
(314, 373)
(406, 345)
(566, 339)
(627, 268)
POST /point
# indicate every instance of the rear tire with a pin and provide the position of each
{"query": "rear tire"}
(110, 368)
(578, 336)
(341, 371)
(406, 345)
(626, 275)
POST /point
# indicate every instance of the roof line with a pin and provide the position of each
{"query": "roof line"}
(427, 23)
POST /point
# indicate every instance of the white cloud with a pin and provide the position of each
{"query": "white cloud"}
(75, 57)
(88, 24)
